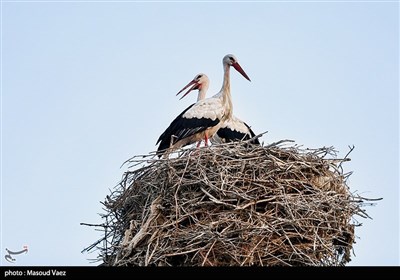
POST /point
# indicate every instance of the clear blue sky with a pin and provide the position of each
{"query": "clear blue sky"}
(87, 85)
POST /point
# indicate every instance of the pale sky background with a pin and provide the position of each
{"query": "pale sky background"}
(87, 85)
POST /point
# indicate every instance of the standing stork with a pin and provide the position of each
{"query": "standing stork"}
(202, 119)
(232, 129)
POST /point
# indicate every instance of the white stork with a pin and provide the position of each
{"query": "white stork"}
(232, 129)
(202, 119)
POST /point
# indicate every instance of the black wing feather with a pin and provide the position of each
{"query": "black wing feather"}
(230, 135)
(181, 128)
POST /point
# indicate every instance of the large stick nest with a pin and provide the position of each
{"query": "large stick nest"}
(232, 205)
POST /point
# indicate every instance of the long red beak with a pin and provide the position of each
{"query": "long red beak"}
(192, 83)
(240, 70)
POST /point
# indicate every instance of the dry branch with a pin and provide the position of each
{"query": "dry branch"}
(232, 205)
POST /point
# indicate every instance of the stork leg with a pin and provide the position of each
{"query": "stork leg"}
(206, 140)
(199, 143)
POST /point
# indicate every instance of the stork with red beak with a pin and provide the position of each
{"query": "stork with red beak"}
(202, 119)
(232, 129)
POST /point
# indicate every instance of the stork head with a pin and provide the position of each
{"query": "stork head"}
(231, 60)
(199, 82)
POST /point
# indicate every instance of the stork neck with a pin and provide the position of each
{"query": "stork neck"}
(226, 91)
(201, 96)
(202, 93)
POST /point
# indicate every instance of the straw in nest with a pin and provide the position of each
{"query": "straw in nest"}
(232, 205)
